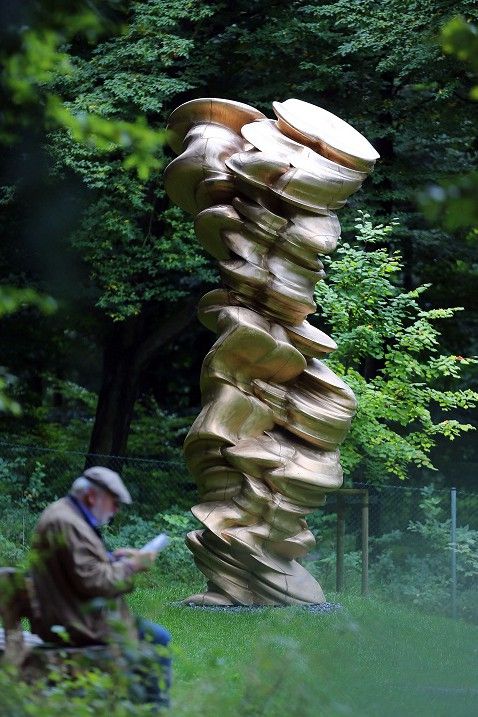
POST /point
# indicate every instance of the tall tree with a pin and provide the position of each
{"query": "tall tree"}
(377, 65)
(38, 209)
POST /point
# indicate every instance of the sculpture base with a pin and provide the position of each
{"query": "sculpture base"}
(208, 599)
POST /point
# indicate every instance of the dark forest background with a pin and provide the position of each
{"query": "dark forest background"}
(110, 362)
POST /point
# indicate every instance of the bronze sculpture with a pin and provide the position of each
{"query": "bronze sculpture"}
(264, 449)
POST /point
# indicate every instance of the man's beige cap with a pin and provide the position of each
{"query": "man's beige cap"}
(110, 481)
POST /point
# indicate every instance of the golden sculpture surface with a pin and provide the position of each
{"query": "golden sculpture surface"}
(264, 449)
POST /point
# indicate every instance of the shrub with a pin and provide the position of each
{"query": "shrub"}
(389, 353)
(414, 565)
(85, 685)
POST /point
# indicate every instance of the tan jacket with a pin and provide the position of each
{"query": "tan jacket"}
(76, 584)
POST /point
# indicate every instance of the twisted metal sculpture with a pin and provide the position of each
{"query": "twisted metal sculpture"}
(264, 449)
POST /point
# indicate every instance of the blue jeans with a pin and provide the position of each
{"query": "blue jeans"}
(157, 635)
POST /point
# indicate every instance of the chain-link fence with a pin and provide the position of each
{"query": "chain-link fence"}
(34, 475)
(412, 545)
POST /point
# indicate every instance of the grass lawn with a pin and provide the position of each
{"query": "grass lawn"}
(369, 659)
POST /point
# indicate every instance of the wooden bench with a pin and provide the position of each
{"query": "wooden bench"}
(35, 659)
(26, 651)
(15, 604)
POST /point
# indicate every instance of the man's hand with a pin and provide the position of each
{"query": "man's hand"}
(138, 560)
(125, 552)
(142, 561)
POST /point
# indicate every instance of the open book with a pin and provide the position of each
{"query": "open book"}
(156, 544)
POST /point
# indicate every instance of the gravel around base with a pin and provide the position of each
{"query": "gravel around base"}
(324, 607)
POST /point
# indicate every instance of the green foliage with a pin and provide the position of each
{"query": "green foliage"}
(454, 202)
(23, 495)
(155, 432)
(460, 38)
(172, 51)
(133, 268)
(409, 549)
(102, 90)
(7, 404)
(139, 251)
(388, 352)
(85, 685)
(379, 66)
(108, 136)
(67, 431)
(73, 395)
(413, 566)
(40, 58)
(10, 553)
(36, 64)
(12, 299)
(467, 551)
(321, 560)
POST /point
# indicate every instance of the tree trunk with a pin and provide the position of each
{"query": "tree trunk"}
(129, 350)
(117, 396)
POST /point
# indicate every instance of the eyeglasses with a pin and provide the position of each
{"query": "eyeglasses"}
(114, 498)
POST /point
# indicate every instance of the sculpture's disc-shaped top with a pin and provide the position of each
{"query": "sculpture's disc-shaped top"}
(208, 109)
(266, 136)
(327, 131)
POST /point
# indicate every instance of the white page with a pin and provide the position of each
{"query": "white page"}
(156, 544)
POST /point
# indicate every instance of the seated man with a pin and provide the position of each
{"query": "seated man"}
(72, 570)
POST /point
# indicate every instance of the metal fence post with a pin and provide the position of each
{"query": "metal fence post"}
(453, 551)
(339, 576)
(365, 522)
